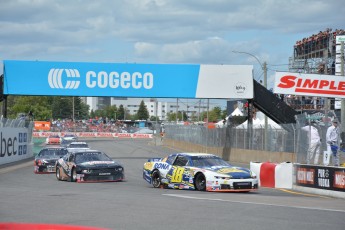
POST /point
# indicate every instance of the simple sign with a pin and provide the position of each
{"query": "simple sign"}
(127, 80)
(318, 85)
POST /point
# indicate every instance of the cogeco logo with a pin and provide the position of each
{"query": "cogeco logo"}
(115, 80)
(102, 79)
(55, 78)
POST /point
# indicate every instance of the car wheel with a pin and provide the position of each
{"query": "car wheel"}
(73, 177)
(57, 173)
(200, 182)
(156, 179)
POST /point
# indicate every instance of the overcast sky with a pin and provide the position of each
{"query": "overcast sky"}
(162, 31)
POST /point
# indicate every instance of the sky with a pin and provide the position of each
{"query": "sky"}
(164, 31)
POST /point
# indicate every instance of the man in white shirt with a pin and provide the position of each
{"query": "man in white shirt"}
(333, 141)
(314, 143)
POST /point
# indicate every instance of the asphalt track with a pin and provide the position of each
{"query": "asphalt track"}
(134, 204)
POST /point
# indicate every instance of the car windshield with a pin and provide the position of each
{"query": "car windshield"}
(208, 161)
(78, 146)
(50, 153)
(91, 156)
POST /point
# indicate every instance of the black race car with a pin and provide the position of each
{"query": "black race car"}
(45, 160)
(88, 166)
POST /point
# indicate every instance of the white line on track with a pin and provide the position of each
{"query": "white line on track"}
(256, 203)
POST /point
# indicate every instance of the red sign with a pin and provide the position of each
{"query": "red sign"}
(305, 175)
(319, 85)
(339, 179)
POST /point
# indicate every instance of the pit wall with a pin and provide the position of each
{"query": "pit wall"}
(233, 155)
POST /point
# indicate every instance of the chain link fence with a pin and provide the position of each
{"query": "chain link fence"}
(270, 139)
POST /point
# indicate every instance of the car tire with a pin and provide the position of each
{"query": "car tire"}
(200, 182)
(73, 177)
(156, 179)
(57, 173)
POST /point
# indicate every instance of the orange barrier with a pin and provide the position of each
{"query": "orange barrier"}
(42, 125)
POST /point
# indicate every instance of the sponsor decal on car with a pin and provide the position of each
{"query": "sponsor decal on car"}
(229, 170)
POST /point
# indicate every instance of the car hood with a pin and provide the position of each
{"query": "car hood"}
(233, 171)
(52, 158)
(98, 164)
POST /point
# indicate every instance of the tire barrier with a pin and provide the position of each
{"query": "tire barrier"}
(273, 175)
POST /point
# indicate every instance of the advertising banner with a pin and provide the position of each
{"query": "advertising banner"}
(14, 145)
(330, 178)
(318, 85)
(42, 125)
(128, 80)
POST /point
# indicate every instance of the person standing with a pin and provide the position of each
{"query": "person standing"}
(314, 143)
(333, 141)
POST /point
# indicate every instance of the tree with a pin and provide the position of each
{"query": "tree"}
(38, 106)
(111, 112)
(121, 112)
(143, 113)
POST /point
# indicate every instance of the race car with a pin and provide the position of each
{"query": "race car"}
(88, 166)
(53, 140)
(77, 146)
(70, 137)
(198, 171)
(45, 160)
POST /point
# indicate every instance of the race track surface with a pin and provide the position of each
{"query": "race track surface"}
(134, 204)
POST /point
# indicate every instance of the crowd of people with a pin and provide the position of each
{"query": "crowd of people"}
(303, 102)
(91, 125)
(317, 41)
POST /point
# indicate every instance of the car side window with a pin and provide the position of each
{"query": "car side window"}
(71, 158)
(65, 158)
(181, 161)
(171, 159)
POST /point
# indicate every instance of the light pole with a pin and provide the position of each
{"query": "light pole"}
(73, 109)
(264, 69)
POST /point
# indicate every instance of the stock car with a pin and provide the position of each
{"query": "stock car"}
(45, 160)
(71, 137)
(53, 140)
(77, 146)
(198, 171)
(88, 166)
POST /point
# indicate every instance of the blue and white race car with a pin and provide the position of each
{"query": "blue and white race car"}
(198, 171)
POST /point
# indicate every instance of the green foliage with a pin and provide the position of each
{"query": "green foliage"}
(39, 106)
(143, 113)
(121, 112)
(47, 108)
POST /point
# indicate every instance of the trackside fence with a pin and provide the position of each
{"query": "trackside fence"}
(257, 139)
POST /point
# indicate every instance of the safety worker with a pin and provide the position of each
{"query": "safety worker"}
(333, 141)
(314, 143)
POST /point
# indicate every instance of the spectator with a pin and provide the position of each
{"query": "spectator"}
(314, 143)
(333, 141)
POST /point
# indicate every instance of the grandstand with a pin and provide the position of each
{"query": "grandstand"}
(316, 54)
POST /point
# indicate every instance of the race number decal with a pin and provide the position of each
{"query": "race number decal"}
(177, 174)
